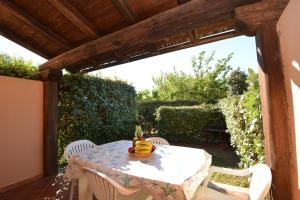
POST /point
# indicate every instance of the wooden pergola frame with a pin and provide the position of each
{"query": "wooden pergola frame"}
(221, 18)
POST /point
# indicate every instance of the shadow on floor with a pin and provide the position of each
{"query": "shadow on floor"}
(47, 188)
(223, 155)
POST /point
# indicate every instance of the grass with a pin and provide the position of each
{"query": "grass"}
(230, 180)
(223, 156)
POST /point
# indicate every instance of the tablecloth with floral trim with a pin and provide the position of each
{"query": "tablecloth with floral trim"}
(171, 172)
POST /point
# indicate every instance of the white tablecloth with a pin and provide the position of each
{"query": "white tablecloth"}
(172, 172)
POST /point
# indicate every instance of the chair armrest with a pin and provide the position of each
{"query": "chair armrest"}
(235, 172)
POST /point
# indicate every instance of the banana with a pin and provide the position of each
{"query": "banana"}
(143, 151)
(143, 147)
(144, 143)
(137, 148)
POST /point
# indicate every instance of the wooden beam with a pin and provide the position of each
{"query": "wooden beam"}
(125, 10)
(21, 40)
(16, 11)
(189, 16)
(194, 35)
(50, 144)
(179, 2)
(201, 41)
(75, 17)
(274, 111)
(250, 17)
(218, 37)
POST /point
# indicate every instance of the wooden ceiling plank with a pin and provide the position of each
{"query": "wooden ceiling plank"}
(125, 10)
(189, 16)
(16, 11)
(179, 2)
(13, 36)
(75, 17)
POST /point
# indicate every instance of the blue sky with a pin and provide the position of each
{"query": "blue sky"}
(140, 73)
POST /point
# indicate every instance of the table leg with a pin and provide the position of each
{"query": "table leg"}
(84, 191)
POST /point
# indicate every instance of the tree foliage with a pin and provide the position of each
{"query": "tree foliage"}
(236, 82)
(207, 84)
(146, 95)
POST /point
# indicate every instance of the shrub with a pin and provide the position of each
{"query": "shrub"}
(95, 109)
(186, 123)
(147, 110)
(244, 122)
(89, 107)
(17, 67)
(236, 82)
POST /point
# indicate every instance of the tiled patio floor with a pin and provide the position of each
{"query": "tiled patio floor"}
(54, 188)
(49, 188)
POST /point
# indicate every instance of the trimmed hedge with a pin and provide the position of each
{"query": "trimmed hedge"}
(244, 122)
(89, 107)
(96, 109)
(147, 110)
(186, 123)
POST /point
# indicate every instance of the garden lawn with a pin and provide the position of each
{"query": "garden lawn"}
(222, 156)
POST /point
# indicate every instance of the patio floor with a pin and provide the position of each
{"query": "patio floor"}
(54, 188)
(48, 188)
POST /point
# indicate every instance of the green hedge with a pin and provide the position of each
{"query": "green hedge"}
(147, 110)
(244, 122)
(95, 109)
(186, 123)
(89, 107)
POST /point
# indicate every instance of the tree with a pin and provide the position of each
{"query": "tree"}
(207, 84)
(237, 82)
(145, 95)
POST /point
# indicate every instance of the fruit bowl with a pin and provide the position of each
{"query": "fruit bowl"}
(132, 152)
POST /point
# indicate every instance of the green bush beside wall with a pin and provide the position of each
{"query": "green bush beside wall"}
(17, 67)
(89, 107)
(95, 109)
(186, 123)
(244, 122)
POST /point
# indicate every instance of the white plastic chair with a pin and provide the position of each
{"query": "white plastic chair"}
(77, 147)
(74, 148)
(259, 186)
(157, 140)
(105, 188)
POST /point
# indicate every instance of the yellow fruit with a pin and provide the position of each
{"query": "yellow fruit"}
(137, 148)
(144, 143)
(143, 151)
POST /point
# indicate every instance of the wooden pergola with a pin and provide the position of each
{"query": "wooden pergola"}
(83, 36)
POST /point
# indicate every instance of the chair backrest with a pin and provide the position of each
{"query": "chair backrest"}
(103, 187)
(260, 182)
(77, 147)
(158, 140)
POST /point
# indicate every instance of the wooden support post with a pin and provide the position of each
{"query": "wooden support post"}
(275, 110)
(50, 148)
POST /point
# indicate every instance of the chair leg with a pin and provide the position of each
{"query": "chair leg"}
(72, 189)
